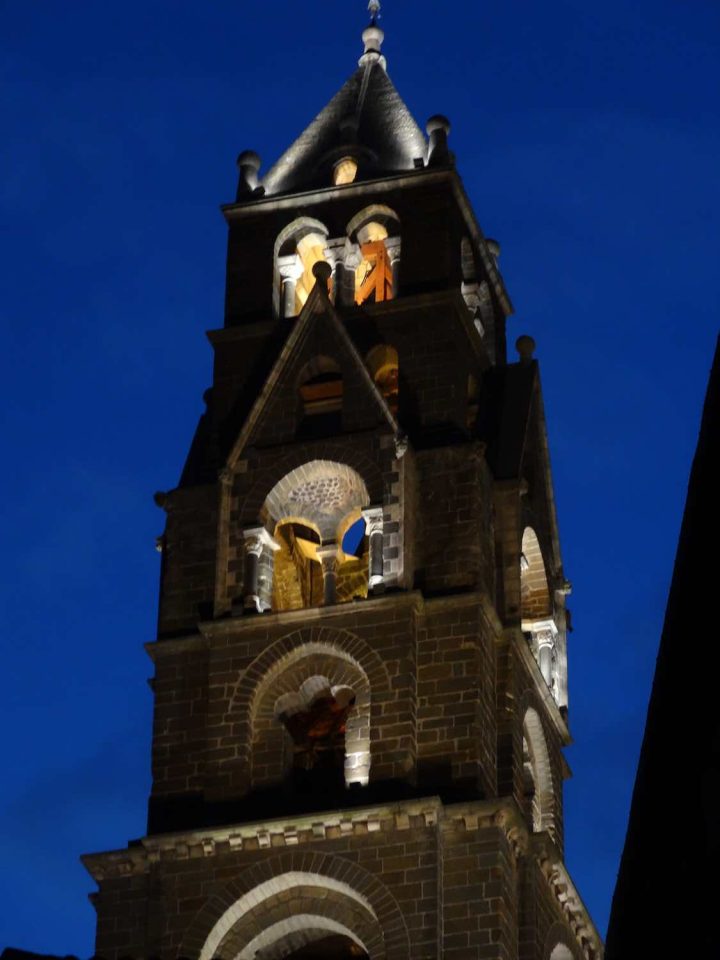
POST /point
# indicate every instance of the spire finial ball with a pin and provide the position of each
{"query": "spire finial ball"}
(437, 122)
(525, 347)
(322, 271)
(249, 159)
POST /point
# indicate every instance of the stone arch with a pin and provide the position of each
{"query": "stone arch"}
(377, 212)
(539, 788)
(321, 492)
(536, 602)
(308, 511)
(353, 899)
(338, 452)
(337, 656)
(298, 247)
(559, 944)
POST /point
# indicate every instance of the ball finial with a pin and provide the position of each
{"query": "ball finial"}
(525, 347)
(322, 271)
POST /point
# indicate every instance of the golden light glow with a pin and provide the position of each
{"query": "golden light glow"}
(344, 171)
(373, 276)
(310, 250)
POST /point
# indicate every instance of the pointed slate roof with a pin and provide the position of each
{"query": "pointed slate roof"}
(387, 137)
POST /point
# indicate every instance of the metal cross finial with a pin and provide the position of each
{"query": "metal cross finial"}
(374, 8)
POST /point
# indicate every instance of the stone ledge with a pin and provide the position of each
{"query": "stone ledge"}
(565, 893)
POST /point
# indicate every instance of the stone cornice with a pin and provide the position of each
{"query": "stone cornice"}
(429, 812)
(235, 627)
(360, 188)
(140, 855)
(565, 893)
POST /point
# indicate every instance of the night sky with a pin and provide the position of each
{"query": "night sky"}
(588, 141)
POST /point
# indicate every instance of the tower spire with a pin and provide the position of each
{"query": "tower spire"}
(374, 8)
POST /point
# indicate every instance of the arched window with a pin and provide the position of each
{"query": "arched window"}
(301, 245)
(561, 952)
(345, 171)
(375, 233)
(316, 718)
(384, 368)
(538, 792)
(322, 550)
(537, 609)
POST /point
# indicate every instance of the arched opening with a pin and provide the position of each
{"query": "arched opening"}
(299, 247)
(333, 947)
(321, 397)
(534, 590)
(375, 231)
(538, 792)
(312, 512)
(384, 368)
(537, 609)
(316, 718)
(561, 952)
(345, 171)
(287, 892)
(310, 721)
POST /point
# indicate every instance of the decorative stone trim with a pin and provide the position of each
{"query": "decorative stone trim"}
(555, 872)
(412, 814)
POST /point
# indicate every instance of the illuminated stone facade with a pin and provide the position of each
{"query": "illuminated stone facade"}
(360, 670)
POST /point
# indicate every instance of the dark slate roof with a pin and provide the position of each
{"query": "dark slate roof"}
(667, 893)
(385, 129)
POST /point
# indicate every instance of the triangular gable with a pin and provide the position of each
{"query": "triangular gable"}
(318, 308)
(385, 126)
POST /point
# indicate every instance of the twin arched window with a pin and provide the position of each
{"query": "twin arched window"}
(364, 261)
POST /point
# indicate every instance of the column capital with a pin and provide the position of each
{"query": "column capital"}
(373, 517)
(327, 553)
(544, 632)
(290, 267)
(256, 538)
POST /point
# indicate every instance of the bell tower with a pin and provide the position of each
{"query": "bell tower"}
(360, 676)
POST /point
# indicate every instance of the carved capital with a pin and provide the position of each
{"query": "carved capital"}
(257, 538)
(373, 517)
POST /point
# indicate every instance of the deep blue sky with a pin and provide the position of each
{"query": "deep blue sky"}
(588, 140)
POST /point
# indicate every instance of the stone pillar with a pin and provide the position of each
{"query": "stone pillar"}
(471, 295)
(392, 245)
(353, 259)
(335, 256)
(290, 272)
(256, 540)
(327, 554)
(544, 638)
(373, 517)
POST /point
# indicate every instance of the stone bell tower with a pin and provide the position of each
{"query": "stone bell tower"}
(360, 668)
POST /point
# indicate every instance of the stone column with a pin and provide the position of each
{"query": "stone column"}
(327, 554)
(290, 272)
(544, 636)
(392, 245)
(373, 517)
(256, 540)
(353, 259)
